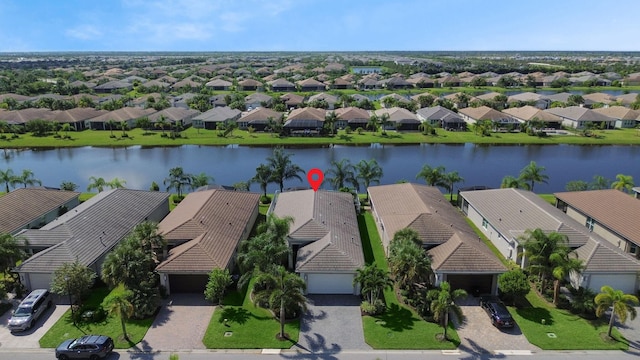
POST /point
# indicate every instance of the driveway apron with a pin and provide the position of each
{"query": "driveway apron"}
(477, 335)
(332, 324)
(180, 324)
(29, 339)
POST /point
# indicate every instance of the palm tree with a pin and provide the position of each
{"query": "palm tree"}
(68, 186)
(408, 262)
(112, 123)
(450, 179)
(161, 123)
(330, 121)
(532, 174)
(282, 168)
(374, 123)
(341, 172)
(373, 281)
(600, 183)
(282, 290)
(544, 252)
(119, 305)
(262, 177)
(148, 234)
(623, 183)
(621, 305)
(27, 178)
(10, 252)
(565, 263)
(116, 183)
(443, 302)
(510, 182)
(432, 176)
(200, 180)
(8, 178)
(385, 121)
(369, 172)
(66, 127)
(97, 183)
(177, 180)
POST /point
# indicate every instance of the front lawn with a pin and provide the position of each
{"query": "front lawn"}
(568, 331)
(64, 328)
(246, 326)
(399, 327)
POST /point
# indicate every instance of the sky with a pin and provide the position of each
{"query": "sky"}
(318, 25)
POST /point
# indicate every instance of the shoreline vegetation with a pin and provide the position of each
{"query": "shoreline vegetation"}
(191, 136)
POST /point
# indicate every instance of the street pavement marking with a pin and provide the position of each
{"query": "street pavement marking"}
(270, 351)
(513, 352)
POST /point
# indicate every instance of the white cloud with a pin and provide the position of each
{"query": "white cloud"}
(84, 32)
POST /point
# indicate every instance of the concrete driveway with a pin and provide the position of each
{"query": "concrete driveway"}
(180, 324)
(30, 338)
(477, 335)
(631, 331)
(332, 324)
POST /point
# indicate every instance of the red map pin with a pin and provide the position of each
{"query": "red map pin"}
(315, 177)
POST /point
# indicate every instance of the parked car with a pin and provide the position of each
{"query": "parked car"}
(498, 313)
(91, 347)
(30, 310)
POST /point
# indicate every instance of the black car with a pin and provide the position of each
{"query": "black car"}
(498, 313)
(92, 347)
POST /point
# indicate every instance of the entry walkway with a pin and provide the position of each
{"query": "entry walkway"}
(332, 324)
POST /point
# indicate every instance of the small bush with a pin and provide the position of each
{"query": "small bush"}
(112, 136)
(378, 307)
(359, 130)
(348, 130)
(265, 199)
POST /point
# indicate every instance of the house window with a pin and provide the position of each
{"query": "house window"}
(590, 223)
(485, 223)
(633, 249)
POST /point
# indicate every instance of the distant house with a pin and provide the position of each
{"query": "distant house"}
(258, 118)
(210, 119)
(500, 120)
(88, 232)
(331, 100)
(219, 85)
(305, 121)
(365, 70)
(395, 83)
(292, 101)
(311, 85)
(579, 117)
(76, 117)
(175, 116)
(128, 115)
(341, 84)
(112, 86)
(250, 85)
(441, 117)
(203, 233)
(529, 98)
(624, 117)
(529, 113)
(353, 117)
(609, 213)
(324, 239)
(396, 99)
(34, 207)
(256, 100)
(282, 85)
(456, 253)
(400, 119)
(218, 100)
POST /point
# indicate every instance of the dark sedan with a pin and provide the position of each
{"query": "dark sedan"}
(498, 313)
(92, 347)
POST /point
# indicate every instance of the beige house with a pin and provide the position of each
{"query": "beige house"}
(457, 255)
(203, 233)
(609, 213)
(326, 249)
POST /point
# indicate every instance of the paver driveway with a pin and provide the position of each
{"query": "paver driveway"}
(631, 331)
(332, 324)
(180, 324)
(30, 338)
(477, 335)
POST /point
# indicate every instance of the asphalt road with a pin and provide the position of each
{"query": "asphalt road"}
(355, 355)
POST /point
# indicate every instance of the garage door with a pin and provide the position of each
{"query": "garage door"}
(624, 282)
(472, 284)
(330, 283)
(39, 281)
(187, 283)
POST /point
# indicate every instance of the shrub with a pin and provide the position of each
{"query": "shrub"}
(360, 130)
(265, 199)
(378, 307)
(348, 130)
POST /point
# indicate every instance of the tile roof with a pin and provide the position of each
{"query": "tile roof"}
(92, 228)
(25, 205)
(464, 256)
(327, 220)
(352, 113)
(483, 113)
(260, 114)
(212, 222)
(603, 257)
(307, 113)
(218, 83)
(529, 112)
(577, 113)
(619, 112)
(218, 114)
(399, 115)
(610, 208)
(123, 114)
(174, 114)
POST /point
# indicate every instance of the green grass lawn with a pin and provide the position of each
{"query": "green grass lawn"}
(64, 328)
(241, 137)
(251, 327)
(399, 327)
(572, 332)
